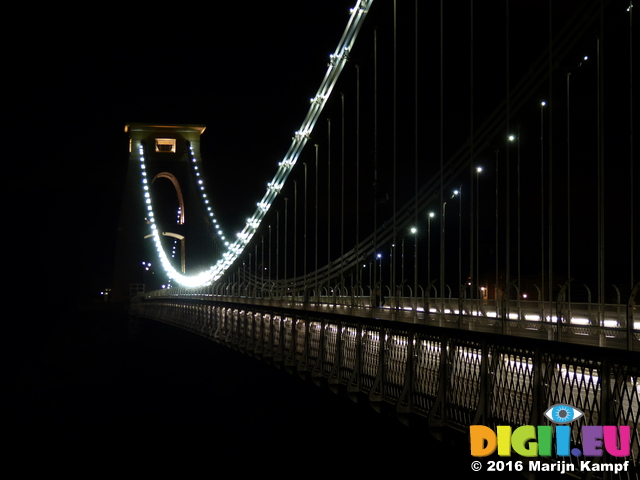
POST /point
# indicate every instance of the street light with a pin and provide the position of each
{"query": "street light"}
(379, 257)
(460, 290)
(414, 231)
(569, 71)
(477, 280)
(516, 138)
(442, 251)
(542, 105)
(431, 215)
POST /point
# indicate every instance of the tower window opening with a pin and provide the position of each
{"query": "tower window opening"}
(167, 145)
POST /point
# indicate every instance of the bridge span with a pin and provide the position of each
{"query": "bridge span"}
(488, 198)
(431, 374)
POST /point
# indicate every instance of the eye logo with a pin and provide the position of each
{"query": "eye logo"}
(561, 413)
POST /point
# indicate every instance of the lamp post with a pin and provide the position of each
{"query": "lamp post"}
(497, 232)
(304, 237)
(414, 231)
(542, 105)
(460, 289)
(584, 59)
(402, 277)
(328, 194)
(516, 138)
(431, 215)
(269, 263)
(477, 279)
(442, 252)
(248, 294)
(286, 241)
(342, 197)
(379, 257)
(277, 278)
(429, 282)
(295, 237)
(316, 228)
(442, 245)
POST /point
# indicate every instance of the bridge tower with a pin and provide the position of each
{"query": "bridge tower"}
(170, 153)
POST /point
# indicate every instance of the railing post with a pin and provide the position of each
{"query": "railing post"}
(376, 394)
(630, 306)
(559, 319)
(354, 384)
(438, 413)
(589, 303)
(617, 303)
(484, 395)
(404, 406)
(334, 376)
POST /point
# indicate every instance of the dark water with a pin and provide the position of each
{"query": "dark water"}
(83, 395)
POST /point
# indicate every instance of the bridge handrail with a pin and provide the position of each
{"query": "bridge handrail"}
(612, 330)
(443, 378)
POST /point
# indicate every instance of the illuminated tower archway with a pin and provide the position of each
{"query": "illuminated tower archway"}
(169, 150)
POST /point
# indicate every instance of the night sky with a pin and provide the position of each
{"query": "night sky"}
(248, 76)
(245, 73)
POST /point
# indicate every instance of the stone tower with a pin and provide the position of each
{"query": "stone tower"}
(179, 212)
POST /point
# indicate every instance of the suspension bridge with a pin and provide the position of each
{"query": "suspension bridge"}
(450, 233)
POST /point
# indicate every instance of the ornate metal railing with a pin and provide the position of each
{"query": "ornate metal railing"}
(447, 379)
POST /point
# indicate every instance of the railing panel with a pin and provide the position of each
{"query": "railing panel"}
(395, 364)
(463, 390)
(370, 348)
(330, 353)
(349, 351)
(426, 373)
(512, 385)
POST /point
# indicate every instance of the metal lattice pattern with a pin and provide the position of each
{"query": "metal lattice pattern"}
(625, 400)
(452, 380)
(576, 382)
(330, 348)
(395, 364)
(370, 358)
(315, 339)
(427, 352)
(512, 387)
(464, 381)
(349, 340)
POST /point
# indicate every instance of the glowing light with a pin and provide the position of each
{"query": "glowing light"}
(337, 62)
